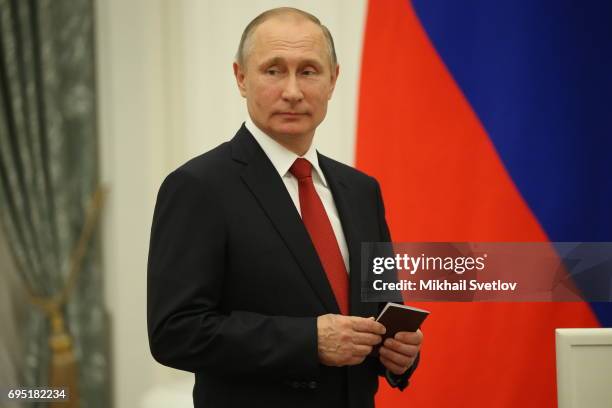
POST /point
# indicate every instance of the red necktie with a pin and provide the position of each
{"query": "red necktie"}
(321, 233)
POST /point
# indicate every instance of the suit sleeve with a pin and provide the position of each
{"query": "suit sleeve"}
(395, 381)
(185, 282)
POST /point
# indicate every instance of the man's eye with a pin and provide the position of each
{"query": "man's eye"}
(309, 72)
(272, 71)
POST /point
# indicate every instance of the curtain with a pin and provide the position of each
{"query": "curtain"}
(48, 176)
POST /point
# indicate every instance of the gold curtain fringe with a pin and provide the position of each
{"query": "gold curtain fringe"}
(63, 369)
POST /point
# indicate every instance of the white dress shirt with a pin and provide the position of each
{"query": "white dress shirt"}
(282, 159)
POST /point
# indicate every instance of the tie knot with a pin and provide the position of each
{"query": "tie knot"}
(301, 168)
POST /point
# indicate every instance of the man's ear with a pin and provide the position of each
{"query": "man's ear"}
(334, 78)
(239, 75)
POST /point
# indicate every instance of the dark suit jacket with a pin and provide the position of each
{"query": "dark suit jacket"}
(235, 284)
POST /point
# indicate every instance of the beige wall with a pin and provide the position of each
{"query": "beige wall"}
(167, 94)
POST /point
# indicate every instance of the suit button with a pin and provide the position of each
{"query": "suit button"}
(312, 385)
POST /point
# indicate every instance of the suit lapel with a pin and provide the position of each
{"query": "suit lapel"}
(345, 203)
(264, 182)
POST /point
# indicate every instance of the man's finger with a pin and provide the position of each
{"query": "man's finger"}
(367, 339)
(362, 324)
(361, 350)
(391, 366)
(415, 338)
(409, 350)
(399, 359)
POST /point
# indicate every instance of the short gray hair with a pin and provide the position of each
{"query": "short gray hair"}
(279, 11)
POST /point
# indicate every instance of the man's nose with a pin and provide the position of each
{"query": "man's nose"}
(291, 91)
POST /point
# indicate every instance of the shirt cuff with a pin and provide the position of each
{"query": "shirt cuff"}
(401, 381)
(397, 381)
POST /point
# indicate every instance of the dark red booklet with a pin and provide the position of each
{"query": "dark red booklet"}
(397, 317)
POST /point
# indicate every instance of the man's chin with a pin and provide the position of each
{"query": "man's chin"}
(291, 130)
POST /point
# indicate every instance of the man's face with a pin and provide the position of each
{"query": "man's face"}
(287, 78)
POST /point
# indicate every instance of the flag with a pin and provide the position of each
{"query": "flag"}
(490, 121)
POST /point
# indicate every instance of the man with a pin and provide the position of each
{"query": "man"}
(253, 279)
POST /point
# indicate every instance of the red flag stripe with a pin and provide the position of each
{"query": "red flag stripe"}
(442, 180)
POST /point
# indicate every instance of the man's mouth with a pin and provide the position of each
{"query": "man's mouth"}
(291, 113)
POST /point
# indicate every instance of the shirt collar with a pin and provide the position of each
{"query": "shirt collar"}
(281, 157)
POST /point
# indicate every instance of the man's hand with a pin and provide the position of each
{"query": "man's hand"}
(346, 340)
(398, 354)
